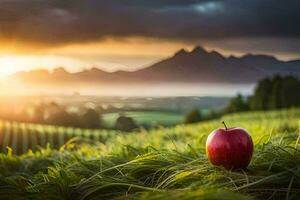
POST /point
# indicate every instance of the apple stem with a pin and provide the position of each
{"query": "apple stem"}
(224, 125)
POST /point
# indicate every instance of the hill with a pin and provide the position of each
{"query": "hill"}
(158, 164)
(196, 66)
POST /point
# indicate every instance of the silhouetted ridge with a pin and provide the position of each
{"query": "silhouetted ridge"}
(199, 50)
(59, 72)
(181, 52)
(196, 66)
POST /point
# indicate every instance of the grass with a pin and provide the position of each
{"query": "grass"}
(168, 163)
(146, 118)
(21, 137)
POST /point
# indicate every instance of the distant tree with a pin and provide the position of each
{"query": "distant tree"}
(63, 118)
(290, 92)
(276, 93)
(193, 117)
(213, 114)
(39, 113)
(91, 119)
(124, 123)
(261, 98)
(237, 104)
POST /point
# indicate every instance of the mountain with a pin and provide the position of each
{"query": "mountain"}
(196, 66)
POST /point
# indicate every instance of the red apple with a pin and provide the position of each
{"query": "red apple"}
(231, 148)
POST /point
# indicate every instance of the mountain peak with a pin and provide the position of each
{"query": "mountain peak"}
(199, 50)
(196, 66)
(95, 70)
(181, 52)
(59, 71)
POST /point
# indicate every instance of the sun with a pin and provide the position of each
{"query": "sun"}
(12, 63)
(8, 65)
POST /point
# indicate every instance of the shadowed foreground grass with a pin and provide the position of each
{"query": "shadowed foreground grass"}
(161, 164)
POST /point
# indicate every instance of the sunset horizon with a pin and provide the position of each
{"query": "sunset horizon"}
(149, 99)
(80, 35)
(73, 67)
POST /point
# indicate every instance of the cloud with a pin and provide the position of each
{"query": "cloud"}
(57, 22)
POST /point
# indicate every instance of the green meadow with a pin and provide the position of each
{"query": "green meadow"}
(146, 118)
(166, 163)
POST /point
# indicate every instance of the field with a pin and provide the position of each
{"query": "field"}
(147, 118)
(21, 137)
(168, 163)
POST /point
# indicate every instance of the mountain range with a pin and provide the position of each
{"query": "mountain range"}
(196, 66)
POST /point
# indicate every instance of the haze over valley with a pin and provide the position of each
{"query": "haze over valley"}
(198, 72)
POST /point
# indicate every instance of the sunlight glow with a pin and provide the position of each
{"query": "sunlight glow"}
(6, 63)
(110, 55)
(10, 63)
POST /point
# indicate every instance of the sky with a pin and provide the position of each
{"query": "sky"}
(130, 34)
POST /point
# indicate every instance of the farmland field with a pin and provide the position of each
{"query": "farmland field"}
(168, 163)
(147, 118)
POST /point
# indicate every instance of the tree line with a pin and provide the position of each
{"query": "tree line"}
(276, 92)
(270, 93)
(54, 114)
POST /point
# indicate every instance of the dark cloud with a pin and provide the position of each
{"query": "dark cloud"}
(55, 22)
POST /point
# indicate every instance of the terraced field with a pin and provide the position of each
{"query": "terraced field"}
(21, 137)
(167, 163)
